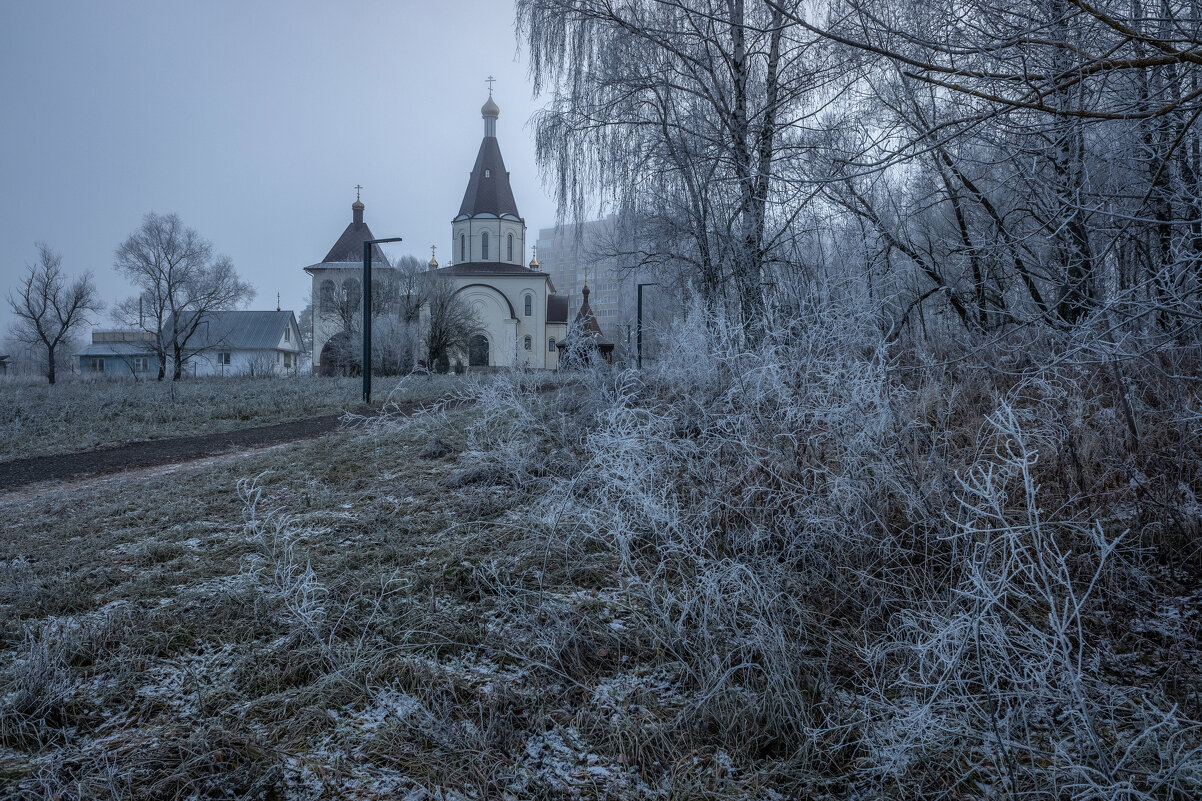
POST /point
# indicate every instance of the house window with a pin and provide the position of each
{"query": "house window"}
(288, 361)
(509, 249)
(287, 333)
(551, 344)
(141, 364)
(528, 344)
(223, 358)
(97, 365)
(462, 247)
(529, 309)
(484, 246)
(488, 173)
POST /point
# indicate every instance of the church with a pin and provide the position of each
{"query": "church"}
(521, 317)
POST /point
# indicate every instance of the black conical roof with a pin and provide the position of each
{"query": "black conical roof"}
(489, 194)
(349, 246)
(586, 321)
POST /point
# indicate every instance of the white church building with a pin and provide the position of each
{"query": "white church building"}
(522, 318)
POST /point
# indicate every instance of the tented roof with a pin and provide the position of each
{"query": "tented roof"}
(488, 190)
(349, 246)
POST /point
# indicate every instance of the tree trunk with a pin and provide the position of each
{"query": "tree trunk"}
(50, 363)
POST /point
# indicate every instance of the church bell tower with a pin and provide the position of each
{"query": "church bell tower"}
(488, 228)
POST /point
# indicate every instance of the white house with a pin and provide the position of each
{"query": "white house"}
(250, 343)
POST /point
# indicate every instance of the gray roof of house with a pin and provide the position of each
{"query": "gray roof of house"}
(116, 349)
(492, 195)
(242, 330)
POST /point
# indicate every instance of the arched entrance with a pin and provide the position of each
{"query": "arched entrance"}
(477, 352)
(338, 357)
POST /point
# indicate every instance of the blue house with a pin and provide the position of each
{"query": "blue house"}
(119, 353)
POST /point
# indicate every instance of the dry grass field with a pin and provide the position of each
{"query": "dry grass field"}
(316, 620)
(76, 415)
(168, 636)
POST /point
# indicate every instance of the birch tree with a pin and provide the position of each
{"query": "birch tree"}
(678, 109)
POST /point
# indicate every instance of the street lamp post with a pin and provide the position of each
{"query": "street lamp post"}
(639, 326)
(367, 246)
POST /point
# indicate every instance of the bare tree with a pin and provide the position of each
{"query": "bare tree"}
(1063, 135)
(180, 281)
(397, 316)
(48, 307)
(304, 322)
(451, 325)
(410, 288)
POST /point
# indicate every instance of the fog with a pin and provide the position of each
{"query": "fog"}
(253, 122)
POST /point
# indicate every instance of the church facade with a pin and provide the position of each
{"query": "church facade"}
(522, 318)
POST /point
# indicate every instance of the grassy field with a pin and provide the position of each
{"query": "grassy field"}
(80, 415)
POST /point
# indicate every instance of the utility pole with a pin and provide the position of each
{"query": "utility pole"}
(639, 325)
(367, 246)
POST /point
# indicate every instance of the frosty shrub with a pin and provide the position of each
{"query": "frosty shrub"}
(857, 567)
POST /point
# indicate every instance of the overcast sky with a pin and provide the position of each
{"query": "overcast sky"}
(253, 121)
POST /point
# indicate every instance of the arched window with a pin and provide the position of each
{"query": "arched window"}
(484, 246)
(529, 305)
(528, 344)
(551, 344)
(326, 296)
(462, 247)
(509, 249)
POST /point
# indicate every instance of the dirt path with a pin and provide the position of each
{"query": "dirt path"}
(115, 458)
(17, 473)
